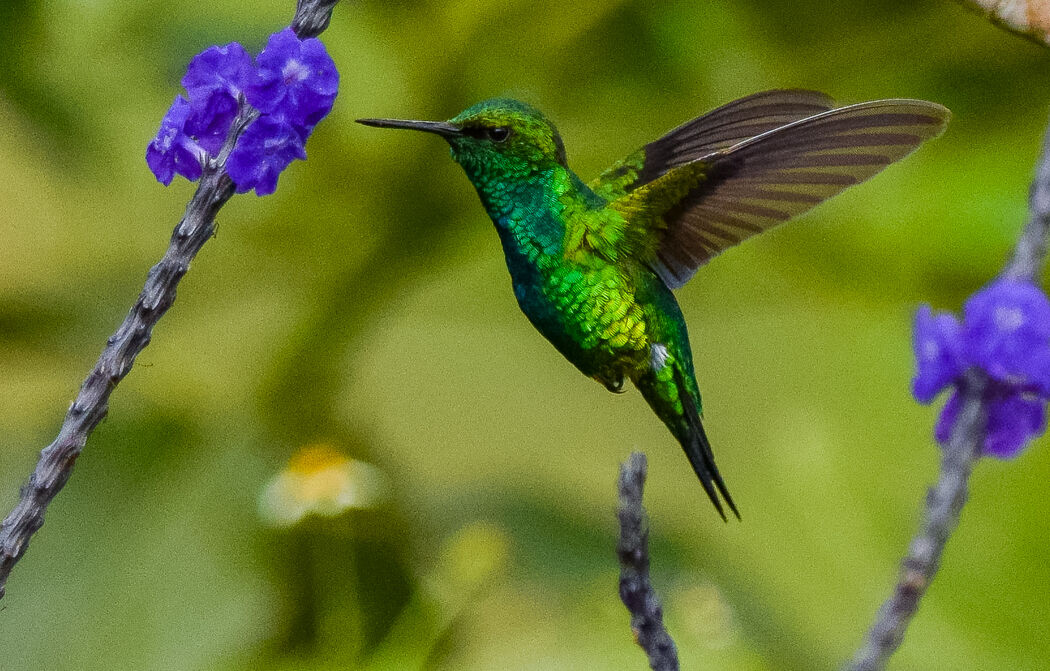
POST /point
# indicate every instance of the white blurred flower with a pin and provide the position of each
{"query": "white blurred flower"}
(320, 480)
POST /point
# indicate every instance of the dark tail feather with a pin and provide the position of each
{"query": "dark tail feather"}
(698, 450)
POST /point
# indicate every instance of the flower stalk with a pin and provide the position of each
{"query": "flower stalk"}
(970, 428)
(636, 589)
(55, 464)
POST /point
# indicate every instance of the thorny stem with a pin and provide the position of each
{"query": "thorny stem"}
(1030, 251)
(946, 498)
(944, 502)
(636, 590)
(197, 225)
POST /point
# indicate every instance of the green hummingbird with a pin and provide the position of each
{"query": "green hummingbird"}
(593, 264)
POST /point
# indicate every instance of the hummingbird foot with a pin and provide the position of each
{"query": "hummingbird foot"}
(615, 386)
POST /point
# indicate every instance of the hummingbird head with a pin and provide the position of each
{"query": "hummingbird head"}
(500, 137)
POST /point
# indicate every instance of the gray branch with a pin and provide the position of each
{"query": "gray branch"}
(1030, 252)
(197, 225)
(946, 498)
(944, 502)
(312, 16)
(636, 590)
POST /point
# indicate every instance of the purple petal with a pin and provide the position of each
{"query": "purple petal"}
(1007, 331)
(227, 68)
(938, 353)
(266, 148)
(162, 168)
(296, 81)
(210, 119)
(324, 77)
(1012, 422)
(282, 45)
(172, 152)
(188, 161)
(268, 90)
(171, 126)
(949, 415)
(267, 182)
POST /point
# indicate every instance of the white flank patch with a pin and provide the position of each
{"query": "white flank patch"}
(659, 356)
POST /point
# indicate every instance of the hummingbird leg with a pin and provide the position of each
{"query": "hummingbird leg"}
(615, 386)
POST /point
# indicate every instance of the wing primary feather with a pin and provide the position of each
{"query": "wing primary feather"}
(746, 191)
(777, 175)
(717, 130)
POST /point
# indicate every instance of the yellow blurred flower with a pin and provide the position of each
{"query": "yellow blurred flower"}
(470, 557)
(319, 480)
(702, 614)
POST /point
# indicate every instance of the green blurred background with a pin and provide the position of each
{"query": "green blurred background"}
(366, 305)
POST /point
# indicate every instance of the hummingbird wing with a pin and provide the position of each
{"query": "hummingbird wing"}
(718, 129)
(698, 209)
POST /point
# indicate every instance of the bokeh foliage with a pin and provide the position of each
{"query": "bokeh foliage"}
(366, 305)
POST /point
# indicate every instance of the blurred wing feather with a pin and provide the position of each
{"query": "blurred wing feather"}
(750, 187)
(718, 129)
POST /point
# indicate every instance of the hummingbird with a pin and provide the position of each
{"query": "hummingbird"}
(593, 264)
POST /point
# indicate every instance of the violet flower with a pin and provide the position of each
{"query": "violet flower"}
(292, 84)
(1005, 332)
(296, 80)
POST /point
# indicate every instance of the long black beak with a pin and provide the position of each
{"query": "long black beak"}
(442, 128)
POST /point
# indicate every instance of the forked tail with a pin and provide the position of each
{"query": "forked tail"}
(684, 421)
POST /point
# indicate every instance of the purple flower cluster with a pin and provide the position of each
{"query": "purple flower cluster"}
(292, 83)
(1005, 331)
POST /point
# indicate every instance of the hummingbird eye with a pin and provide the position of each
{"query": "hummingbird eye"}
(498, 134)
